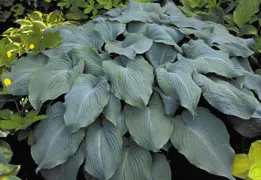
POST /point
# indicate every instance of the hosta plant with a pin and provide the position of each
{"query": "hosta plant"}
(248, 166)
(122, 86)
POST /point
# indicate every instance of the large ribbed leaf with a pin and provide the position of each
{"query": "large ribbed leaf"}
(132, 44)
(186, 22)
(227, 98)
(68, 170)
(208, 60)
(92, 60)
(248, 128)
(175, 80)
(251, 81)
(197, 48)
(110, 30)
(102, 150)
(53, 80)
(236, 49)
(138, 16)
(73, 36)
(21, 72)
(144, 7)
(112, 110)
(172, 10)
(160, 168)
(121, 125)
(131, 80)
(165, 35)
(170, 103)
(204, 141)
(85, 101)
(160, 54)
(135, 164)
(149, 126)
(54, 142)
(144, 12)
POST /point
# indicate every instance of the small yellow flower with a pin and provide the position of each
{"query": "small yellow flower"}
(31, 46)
(7, 82)
(9, 54)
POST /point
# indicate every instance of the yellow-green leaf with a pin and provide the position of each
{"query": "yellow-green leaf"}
(255, 171)
(11, 177)
(9, 169)
(254, 153)
(245, 10)
(241, 166)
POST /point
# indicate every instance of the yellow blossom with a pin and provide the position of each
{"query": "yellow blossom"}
(9, 54)
(7, 82)
(31, 46)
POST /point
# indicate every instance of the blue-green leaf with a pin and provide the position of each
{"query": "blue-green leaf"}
(249, 128)
(210, 141)
(92, 60)
(175, 80)
(86, 100)
(20, 73)
(135, 163)
(131, 80)
(149, 126)
(58, 74)
(112, 109)
(160, 168)
(132, 44)
(54, 142)
(165, 35)
(75, 36)
(110, 30)
(160, 54)
(102, 150)
(226, 98)
(68, 170)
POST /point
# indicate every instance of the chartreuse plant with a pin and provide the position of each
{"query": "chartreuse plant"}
(248, 166)
(30, 36)
(7, 171)
(121, 81)
(89, 9)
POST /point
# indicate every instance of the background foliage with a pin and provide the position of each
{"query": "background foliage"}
(241, 17)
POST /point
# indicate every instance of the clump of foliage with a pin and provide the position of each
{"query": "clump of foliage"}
(122, 87)
(89, 9)
(31, 31)
(7, 171)
(242, 17)
(30, 36)
(248, 166)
